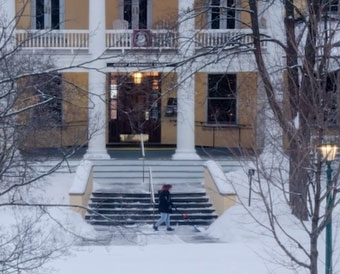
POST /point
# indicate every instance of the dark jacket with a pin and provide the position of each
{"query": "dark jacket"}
(165, 205)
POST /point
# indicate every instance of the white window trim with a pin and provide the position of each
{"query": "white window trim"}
(48, 3)
(334, 12)
(236, 98)
(223, 23)
(134, 2)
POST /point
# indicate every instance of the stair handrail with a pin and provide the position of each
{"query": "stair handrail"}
(151, 188)
(142, 145)
(143, 154)
(152, 194)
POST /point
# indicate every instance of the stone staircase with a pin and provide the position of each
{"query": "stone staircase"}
(118, 209)
(179, 173)
(122, 192)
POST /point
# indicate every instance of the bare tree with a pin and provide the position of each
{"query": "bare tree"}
(302, 95)
(308, 117)
(30, 98)
(311, 84)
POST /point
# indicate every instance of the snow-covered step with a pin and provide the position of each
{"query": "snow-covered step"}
(118, 171)
(114, 209)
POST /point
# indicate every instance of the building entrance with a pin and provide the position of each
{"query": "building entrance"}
(134, 108)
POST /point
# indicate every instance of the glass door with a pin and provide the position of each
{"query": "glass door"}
(222, 14)
(48, 14)
(135, 12)
(134, 108)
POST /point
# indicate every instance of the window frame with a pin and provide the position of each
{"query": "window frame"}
(332, 8)
(135, 18)
(223, 21)
(232, 100)
(48, 15)
(48, 109)
(332, 90)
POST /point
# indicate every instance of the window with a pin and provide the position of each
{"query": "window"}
(48, 14)
(222, 14)
(326, 103)
(136, 13)
(331, 6)
(48, 93)
(331, 100)
(222, 99)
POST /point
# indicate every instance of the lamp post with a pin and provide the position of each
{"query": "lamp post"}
(329, 153)
(251, 173)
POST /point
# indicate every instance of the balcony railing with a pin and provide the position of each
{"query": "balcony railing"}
(223, 38)
(53, 39)
(123, 39)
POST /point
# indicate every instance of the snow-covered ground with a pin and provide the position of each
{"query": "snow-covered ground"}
(234, 243)
(241, 247)
(140, 250)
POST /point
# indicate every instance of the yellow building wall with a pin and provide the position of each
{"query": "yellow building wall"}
(244, 15)
(75, 108)
(243, 134)
(73, 131)
(247, 107)
(23, 8)
(76, 14)
(168, 124)
(112, 12)
(201, 7)
(164, 13)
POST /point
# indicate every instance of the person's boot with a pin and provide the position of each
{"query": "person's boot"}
(155, 228)
(170, 229)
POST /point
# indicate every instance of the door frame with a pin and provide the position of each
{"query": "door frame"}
(135, 13)
(152, 124)
(48, 14)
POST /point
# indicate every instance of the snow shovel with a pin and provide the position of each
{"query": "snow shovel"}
(185, 216)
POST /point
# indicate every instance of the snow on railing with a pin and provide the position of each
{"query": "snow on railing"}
(75, 39)
(226, 38)
(123, 39)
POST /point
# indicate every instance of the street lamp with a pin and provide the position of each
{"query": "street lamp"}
(251, 173)
(328, 152)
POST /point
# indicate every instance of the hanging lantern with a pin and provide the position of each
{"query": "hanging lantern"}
(137, 78)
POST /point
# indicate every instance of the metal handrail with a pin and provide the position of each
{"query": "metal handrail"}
(151, 187)
(143, 154)
(152, 194)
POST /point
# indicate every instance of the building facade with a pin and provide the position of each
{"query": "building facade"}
(171, 72)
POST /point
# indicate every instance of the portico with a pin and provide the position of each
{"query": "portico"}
(186, 97)
(185, 81)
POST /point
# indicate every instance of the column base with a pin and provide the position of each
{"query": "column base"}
(185, 155)
(97, 155)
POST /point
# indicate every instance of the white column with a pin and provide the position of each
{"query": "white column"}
(185, 149)
(97, 83)
(7, 22)
(7, 11)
